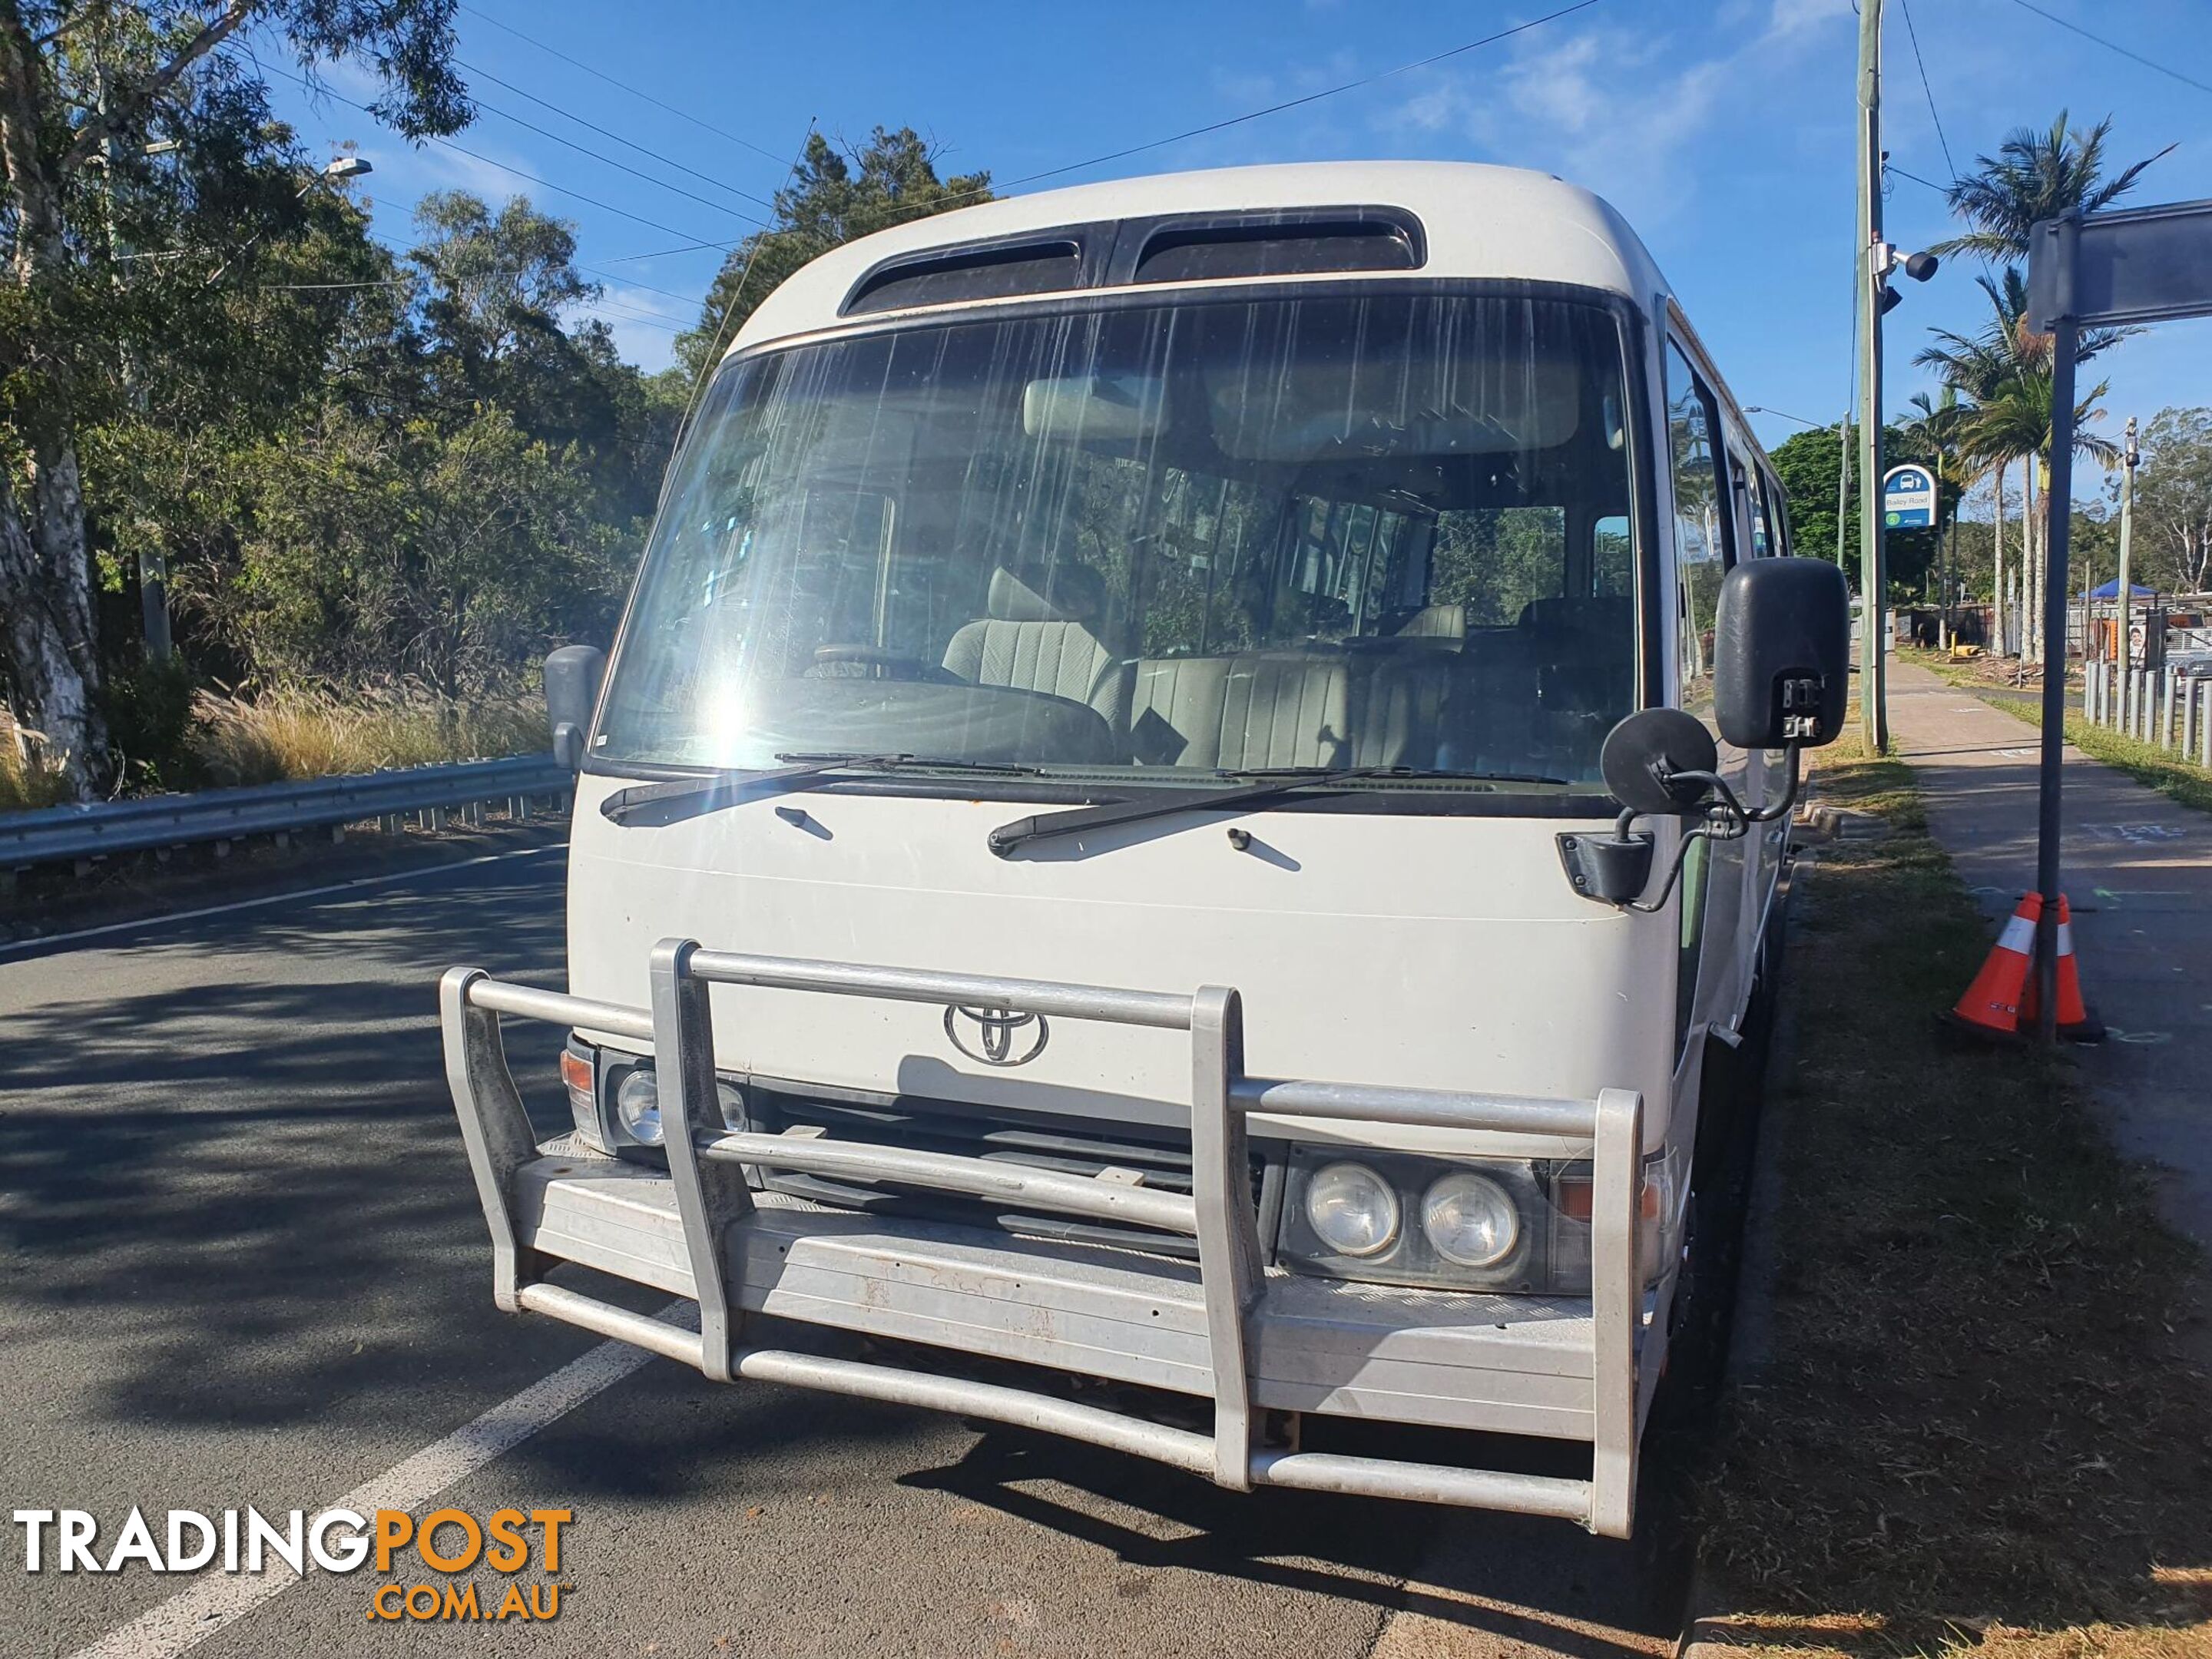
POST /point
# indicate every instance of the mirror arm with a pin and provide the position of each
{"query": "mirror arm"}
(1782, 808)
(1673, 874)
(1731, 819)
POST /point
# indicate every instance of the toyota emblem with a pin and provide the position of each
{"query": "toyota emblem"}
(996, 1036)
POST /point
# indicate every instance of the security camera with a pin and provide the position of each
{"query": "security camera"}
(1920, 266)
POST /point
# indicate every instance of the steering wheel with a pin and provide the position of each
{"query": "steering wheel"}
(873, 662)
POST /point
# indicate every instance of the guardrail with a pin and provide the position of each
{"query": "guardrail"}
(2160, 706)
(58, 834)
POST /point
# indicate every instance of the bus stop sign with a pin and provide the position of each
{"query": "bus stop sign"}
(1908, 498)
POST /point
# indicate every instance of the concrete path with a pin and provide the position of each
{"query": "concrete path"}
(2137, 871)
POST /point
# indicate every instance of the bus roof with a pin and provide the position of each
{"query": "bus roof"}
(1477, 220)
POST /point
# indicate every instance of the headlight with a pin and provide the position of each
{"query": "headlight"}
(1351, 1210)
(637, 1103)
(1470, 1220)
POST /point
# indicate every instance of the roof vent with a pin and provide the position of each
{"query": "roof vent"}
(1350, 240)
(950, 276)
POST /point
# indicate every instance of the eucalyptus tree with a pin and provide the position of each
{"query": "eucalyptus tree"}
(88, 88)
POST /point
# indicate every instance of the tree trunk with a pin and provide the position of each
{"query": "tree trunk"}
(45, 573)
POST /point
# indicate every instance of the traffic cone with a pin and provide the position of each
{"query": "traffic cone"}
(1992, 1004)
(2075, 1023)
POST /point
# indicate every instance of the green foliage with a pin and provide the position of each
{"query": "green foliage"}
(834, 196)
(1808, 464)
(2172, 547)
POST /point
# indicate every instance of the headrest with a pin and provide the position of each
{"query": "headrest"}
(1435, 622)
(1067, 592)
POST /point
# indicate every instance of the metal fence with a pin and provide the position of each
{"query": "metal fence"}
(81, 834)
(2168, 707)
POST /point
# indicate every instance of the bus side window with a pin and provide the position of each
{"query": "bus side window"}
(1701, 530)
(1777, 515)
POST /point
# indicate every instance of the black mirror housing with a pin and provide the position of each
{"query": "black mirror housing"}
(1658, 761)
(572, 692)
(1782, 654)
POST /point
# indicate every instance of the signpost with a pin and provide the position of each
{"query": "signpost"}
(2143, 265)
(1908, 498)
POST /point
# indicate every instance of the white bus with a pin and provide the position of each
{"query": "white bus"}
(1154, 818)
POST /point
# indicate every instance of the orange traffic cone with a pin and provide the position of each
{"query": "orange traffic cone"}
(1992, 1004)
(2075, 1023)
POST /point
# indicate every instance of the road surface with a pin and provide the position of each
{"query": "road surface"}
(241, 1262)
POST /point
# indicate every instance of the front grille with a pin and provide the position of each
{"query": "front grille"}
(1035, 1141)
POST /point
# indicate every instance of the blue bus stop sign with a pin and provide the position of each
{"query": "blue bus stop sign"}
(1908, 498)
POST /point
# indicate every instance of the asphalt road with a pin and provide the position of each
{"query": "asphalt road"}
(241, 1263)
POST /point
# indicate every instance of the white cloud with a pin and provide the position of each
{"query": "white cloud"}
(1608, 108)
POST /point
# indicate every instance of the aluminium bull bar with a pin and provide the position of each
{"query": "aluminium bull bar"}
(718, 1236)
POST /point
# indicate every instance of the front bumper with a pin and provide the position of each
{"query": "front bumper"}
(1248, 1338)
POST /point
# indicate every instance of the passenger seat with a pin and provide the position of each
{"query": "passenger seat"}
(1259, 709)
(1027, 642)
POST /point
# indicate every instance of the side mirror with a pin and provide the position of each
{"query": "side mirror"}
(1782, 654)
(1659, 761)
(572, 691)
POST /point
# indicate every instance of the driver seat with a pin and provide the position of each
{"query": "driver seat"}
(1028, 641)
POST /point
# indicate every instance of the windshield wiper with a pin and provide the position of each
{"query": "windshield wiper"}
(660, 804)
(1264, 785)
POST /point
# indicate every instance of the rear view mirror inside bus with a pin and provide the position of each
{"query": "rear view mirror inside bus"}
(1782, 654)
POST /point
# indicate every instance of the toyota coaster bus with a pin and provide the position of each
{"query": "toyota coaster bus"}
(1190, 798)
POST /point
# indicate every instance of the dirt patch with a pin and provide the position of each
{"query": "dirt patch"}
(1978, 1431)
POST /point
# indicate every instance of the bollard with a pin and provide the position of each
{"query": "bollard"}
(2188, 718)
(437, 817)
(2165, 709)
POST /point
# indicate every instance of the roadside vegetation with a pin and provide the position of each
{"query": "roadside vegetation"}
(354, 458)
(1979, 1429)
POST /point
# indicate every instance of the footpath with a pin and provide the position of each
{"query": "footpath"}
(2136, 869)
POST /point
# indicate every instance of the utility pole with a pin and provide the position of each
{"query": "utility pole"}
(1873, 664)
(2124, 598)
(1843, 482)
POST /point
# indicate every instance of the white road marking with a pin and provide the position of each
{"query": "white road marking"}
(18, 946)
(217, 1601)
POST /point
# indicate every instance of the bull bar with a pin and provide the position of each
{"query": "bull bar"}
(701, 1233)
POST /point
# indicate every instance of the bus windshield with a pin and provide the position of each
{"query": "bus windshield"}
(1218, 535)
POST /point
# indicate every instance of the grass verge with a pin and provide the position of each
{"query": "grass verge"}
(1978, 1432)
(286, 734)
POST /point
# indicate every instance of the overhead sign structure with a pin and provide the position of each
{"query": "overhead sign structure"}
(1908, 498)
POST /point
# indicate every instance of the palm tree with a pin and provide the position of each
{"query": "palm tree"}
(2034, 175)
(2004, 371)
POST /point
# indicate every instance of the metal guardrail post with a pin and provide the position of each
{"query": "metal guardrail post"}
(1229, 1263)
(710, 1194)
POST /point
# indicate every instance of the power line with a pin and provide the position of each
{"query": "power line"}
(2113, 45)
(1913, 35)
(607, 132)
(608, 160)
(474, 156)
(411, 248)
(663, 253)
(579, 63)
(1309, 98)
(1892, 166)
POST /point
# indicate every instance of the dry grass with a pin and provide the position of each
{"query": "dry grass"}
(1978, 1432)
(24, 785)
(288, 734)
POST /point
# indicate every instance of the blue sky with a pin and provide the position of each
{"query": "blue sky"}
(1722, 128)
